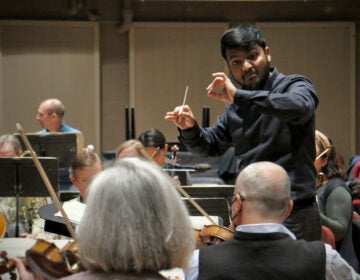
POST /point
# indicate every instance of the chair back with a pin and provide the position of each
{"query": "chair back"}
(327, 236)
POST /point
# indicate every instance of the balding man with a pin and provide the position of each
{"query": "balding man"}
(51, 117)
(263, 248)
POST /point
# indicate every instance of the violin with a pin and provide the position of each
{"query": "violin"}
(214, 234)
(51, 262)
(46, 259)
(209, 234)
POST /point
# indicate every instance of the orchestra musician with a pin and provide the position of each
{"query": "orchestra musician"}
(132, 148)
(10, 146)
(29, 221)
(135, 225)
(269, 116)
(155, 144)
(135, 148)
(262, 247)
(83, 167)
(50, 115)
(335, 201)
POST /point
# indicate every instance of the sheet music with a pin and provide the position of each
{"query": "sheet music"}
(74, 209)
(199, 221)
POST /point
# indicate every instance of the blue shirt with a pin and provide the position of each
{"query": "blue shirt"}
(63, 128)
(336, 266)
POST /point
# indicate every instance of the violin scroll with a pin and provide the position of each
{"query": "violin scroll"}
(174, 150)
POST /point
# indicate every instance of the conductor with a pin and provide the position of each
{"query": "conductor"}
(268, 117)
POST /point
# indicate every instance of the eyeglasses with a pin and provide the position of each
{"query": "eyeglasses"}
(231, 199)
(85, 182)
(42, 114)
(323, 154)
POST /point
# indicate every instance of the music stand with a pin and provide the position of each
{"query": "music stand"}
(63, 146)
(209, 191)
(54, 224)
(20, 178)
(182, 173)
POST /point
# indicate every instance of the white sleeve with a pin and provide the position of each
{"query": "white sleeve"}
(192, 272)
(337, 267)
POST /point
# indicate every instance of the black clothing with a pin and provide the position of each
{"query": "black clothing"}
(263, 256)
(274, 124)
(304, 220)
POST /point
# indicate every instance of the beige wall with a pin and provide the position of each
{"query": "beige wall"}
(325, 53)
(165, 58)
(114, 85)
(42, 60)
(115, 89)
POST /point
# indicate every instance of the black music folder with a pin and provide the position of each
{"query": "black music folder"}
(63, 146)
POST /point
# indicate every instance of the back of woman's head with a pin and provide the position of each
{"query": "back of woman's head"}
(325, 146)
(134, 220)
(152, 138)
(132, 148)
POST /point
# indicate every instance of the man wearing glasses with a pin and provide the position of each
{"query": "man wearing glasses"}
(50, 116)
(263, 248)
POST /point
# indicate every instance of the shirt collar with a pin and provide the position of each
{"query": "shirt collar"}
(265, 228)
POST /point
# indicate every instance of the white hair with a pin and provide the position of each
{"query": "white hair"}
(134, 221)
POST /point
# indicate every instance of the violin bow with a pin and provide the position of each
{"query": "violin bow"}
(46, 181)
(194, 203)
(184, 193)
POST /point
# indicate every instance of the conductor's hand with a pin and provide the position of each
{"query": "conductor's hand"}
(182, 117)
(221, 88)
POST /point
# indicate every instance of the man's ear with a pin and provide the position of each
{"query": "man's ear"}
(267, 53)
(166, 148)
(72, 179)
(289, 208)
